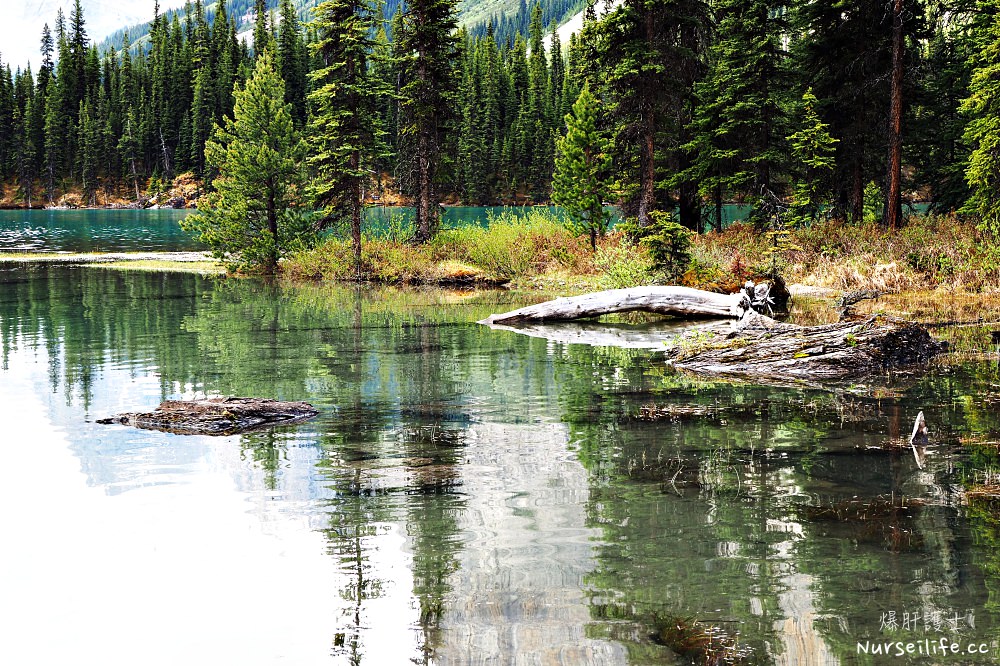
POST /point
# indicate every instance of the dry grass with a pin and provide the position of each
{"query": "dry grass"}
(534, 251)
(929, 252)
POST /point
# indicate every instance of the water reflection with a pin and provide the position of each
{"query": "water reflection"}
(465, 495)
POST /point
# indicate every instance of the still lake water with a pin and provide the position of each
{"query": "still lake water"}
(158, 231)
(466, 496)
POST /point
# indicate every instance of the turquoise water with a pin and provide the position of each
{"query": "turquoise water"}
(94, 231)
(158, 230)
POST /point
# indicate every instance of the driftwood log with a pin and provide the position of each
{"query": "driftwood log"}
(677, 301)
(216, 416)
(760, 347)
(755, 347)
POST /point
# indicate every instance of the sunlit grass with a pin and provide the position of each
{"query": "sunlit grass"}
(163, 265)
(145, 261)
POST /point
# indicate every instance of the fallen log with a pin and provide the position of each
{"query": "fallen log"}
(756, 347)
(216, 416)
(760, 347)
(677, 301)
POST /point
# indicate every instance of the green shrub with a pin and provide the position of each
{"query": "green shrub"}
(623, 265)
(668, 243)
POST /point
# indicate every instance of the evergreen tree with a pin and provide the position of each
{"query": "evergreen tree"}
(813, 151)
(343, 130)
(938, 152)
(982, 107)
(583, 160)
(293, 61)
(427, 59)
(739, 124)
(537, 142)
(254, 215)
(651, 54)
(261, 31)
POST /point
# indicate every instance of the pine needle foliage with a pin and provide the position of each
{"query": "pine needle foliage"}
(583, 162)
(253, 216)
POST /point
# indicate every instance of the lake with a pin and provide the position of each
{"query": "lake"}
(158, 231)
(465, 496)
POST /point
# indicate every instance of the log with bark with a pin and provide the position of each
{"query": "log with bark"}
(216, 416)
(756, 346)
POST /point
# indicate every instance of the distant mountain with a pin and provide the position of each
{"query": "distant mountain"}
(508, 17)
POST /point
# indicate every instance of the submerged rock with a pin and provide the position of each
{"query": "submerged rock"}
(216, 416)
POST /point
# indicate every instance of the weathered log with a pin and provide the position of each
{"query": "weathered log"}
(676, 301)
(761, 347)
(216, 416)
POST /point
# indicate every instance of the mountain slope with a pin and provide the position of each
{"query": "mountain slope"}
(513, 15)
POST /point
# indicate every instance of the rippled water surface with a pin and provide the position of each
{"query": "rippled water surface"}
(94, 231)
(466, 496)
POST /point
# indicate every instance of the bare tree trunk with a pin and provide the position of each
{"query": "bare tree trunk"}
(893, 204)
(356, 205)
(858, 192)
(424, 189)
(272, 227)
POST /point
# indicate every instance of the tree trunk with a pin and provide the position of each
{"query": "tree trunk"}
(647, 140)
(215, 416)
(858, 192)
(271, 267)
(647, 169)
(677, 301)
(893, 204)
(756, 347)
(356, 206)
(424, 190)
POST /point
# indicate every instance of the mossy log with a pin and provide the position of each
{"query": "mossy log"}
(760, 347)
(216, 416)
(676, 301)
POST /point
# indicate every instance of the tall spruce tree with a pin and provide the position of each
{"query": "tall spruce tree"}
(428, 55)
(344, 132)
(254, 215)
(293, 61)
(739, 121)
(982, 107)
(651, 53)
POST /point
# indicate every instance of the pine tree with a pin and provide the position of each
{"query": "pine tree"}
(88, 156)
(582, 165)
(293, 61)
(982, 107)
(739, 122)
(254, 215)
(813, 151)
(427, 60)
(651, 55)
(261, 31)
(343, 130)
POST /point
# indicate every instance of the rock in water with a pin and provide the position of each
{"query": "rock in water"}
(216, 416)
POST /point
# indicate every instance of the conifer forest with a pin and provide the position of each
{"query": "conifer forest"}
(824, 106)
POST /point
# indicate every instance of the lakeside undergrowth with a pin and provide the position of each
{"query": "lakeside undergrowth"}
(534, 250)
